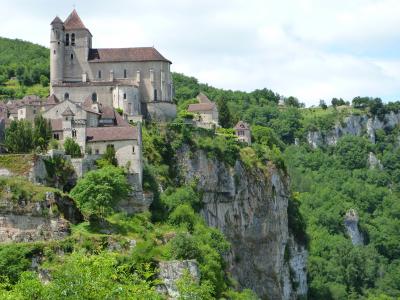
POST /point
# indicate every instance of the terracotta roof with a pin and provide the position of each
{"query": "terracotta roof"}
(97, 134)
(56, 20)
(120, 121)
(242, 125)
(201, 107)
(125, 54)
(73, 22)
(203, 98)
(52, 100)
(56, 124)
(68, 112)
(107, 112)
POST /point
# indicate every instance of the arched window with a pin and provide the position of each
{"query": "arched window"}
(125, 73)
(94, 97)
(67, 39)
(72, 39)
(66, 96)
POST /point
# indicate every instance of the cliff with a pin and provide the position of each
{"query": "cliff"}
(354, 125)
(250, 208)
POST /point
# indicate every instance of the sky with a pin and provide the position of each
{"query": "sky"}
(310, 49)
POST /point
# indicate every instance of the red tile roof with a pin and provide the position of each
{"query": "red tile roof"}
(201, 107)
(52, 100)
(203, 98)
(242, 125)
(98, 134)
(125, 54)
(73, 22)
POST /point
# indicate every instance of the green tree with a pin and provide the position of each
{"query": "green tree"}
(19, 137)
(100, 191)
(109, 155)
(42, 132)
(224, 114)
(352, 151)
(72, 148)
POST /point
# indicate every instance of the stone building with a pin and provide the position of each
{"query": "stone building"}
(135, 80)
(205, 112)
(242, 131)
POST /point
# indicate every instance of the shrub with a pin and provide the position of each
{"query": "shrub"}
(72, 148)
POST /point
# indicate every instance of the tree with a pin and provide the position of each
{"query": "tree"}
(44, 80)
(42, 132)
(322, 104)
(109, 156)
(72, 148)
(292, 101)
(352, 152)
(337, 102)
(100, 191)
(19, 137)
(224, 114)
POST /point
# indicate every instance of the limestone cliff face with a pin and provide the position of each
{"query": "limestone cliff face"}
(354, 125)
(27, 221)
(250, 208)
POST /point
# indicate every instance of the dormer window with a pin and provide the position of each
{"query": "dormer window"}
(67, 39)
(66, 96)
(94, 97)
(125, 73)
(73, 39)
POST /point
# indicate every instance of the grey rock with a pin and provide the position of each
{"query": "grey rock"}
(351, 223)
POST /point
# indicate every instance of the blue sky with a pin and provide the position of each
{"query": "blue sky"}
(311, 49)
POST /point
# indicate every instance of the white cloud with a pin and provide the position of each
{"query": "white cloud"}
(312, 49)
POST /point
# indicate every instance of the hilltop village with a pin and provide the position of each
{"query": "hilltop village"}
(100, 97)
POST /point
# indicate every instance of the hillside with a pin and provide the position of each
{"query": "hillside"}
(24, 69)
(322, 182)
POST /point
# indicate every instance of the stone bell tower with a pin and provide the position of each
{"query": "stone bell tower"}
(57, 49)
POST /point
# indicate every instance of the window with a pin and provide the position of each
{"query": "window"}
(155, 95)
(125, 96)
(138, 76)
(94, 97)
(96, 151)
(151, 75)
(73, 39)
(74, 133)
(133, 149)
(56, 136)
(240, 133)
(67, 39)
(54, 51)
(99, 74)
(66, 96)
(72, 56)
(34, 111)
(125, 73)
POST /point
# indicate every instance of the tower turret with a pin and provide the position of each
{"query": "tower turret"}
(57, 48)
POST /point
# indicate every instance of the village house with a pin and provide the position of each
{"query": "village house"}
(205, 112)
(243, 133)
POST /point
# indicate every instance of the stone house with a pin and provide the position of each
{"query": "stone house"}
(243, 133)
(206, 112)
(136, 80)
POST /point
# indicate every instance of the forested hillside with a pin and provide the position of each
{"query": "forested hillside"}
(327, 182)
(24, 69)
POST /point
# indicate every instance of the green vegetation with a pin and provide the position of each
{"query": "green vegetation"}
(72, 148)
(17, 164)
(24, 69)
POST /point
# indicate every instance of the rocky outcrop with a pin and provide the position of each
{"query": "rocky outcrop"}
(351, 223)
(250, 208)
(28, 221)
(171, 271)
(357, 125)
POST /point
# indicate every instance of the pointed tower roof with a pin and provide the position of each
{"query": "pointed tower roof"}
(56, 20)
(52, 100)
(74, 22)
(67, 112)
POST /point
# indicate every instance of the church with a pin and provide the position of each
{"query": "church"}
(136, 81)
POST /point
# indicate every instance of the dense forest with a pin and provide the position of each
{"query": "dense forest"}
(326, 183)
